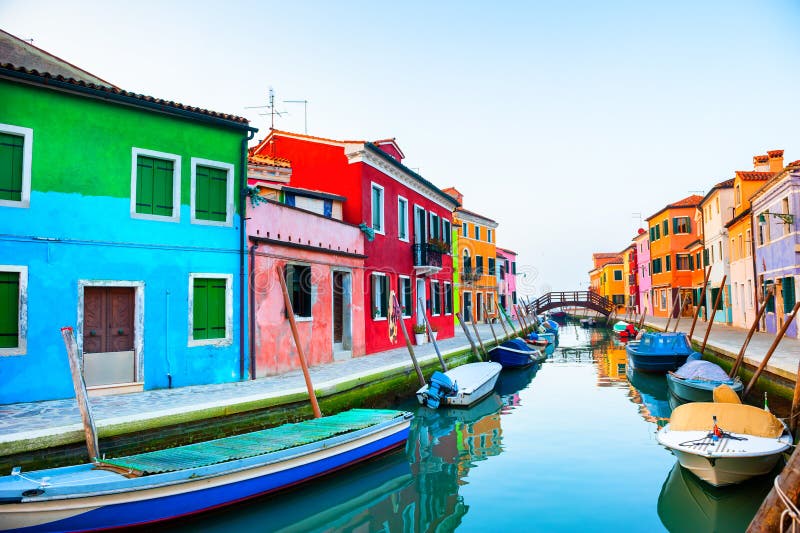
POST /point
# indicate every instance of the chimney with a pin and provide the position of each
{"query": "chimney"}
(452, 191)
(390, 147)
(761, 163)
(775, 160)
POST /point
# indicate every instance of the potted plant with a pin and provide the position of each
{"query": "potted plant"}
(439, 245)
(419, 334)
(434, 332)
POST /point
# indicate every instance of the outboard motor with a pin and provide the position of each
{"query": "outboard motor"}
(441, 386)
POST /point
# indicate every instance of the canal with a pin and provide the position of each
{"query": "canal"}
(565, 447)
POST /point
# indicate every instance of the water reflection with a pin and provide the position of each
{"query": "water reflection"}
(650, 392)
(687, 504)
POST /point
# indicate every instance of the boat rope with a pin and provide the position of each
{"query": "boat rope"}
(708, 439)
(791, 508)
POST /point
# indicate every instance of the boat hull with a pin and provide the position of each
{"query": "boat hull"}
(475, 382)
(727, 471)
(159, 501)
(691, 391)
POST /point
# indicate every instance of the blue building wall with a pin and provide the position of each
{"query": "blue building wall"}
(94, 238)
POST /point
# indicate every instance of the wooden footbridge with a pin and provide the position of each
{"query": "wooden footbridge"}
(587, 299)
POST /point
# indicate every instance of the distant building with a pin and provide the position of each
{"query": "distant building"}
(775, 208)
(507, 279)
(716, 210)
(642, 244)
(747, 293)
(629, 276)
(671, 229)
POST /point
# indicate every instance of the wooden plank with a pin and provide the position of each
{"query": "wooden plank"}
(417, 369)
(89, 430)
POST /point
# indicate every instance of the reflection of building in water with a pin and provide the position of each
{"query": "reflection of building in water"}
(611, 367)
(573, 355)
(650, 392)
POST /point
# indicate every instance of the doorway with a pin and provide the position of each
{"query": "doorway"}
(467, 298)
(342, 305)
(420, 296)
(109, 357)
(479, 305)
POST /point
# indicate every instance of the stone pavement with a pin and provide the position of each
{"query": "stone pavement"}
(728, 340)
(26, 426)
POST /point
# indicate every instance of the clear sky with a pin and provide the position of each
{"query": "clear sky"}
(562, 120)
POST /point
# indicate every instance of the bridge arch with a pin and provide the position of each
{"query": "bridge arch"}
(588, 299)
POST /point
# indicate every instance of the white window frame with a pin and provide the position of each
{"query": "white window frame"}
(447, 236)
(436, 301)
(27, 161)
(229, 207)
(464, 229)
(405, 227)
(176, 184)
(227, 340)
(401, 292)
(447, 285)
(22, 321)
(374, 186)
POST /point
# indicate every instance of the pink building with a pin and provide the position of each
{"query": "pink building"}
(298, 234)
(642, 243)
(507, 279)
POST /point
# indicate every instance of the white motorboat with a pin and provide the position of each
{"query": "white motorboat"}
(725, 443)
(461, 386)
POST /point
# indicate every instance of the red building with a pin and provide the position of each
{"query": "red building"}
(406, 218)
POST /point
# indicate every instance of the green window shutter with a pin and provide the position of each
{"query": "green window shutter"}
(666, 227)
(691, 262)
(211, 194)
(200, 309)
(705, 257)
(675, 225)
(669, 263)
(9, 309)
(11, 147)
(652, 234)
(154, 186)
(688, 224)
(787, 287)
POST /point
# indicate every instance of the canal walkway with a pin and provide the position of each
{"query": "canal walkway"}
(727, 341)
(25, 427)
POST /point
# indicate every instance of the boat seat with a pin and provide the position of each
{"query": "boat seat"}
(725, 394)
(731, 417)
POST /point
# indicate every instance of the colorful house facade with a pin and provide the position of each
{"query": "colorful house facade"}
(747, 293)
(478, 257)
(299, 235)
(716, 209)
(775, 208)
(643, 282)
(507, 280)
(406, 220)
(120, 217)
(671, 229)
(629, 275)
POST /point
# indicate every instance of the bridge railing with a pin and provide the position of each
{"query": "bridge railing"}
(589, 299)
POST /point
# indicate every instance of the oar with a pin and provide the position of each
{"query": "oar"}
(303, 364)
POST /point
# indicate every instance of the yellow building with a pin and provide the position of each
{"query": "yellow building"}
(478, 275)
(612, 283)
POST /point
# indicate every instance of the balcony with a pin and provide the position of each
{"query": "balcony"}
(427, 259)
(470, 276)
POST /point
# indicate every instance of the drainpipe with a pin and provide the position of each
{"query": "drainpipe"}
(252, 305)
(242, 243)
(753, 257)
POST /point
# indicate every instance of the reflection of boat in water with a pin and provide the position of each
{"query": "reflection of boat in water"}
(686, 504)
(512, 381)
(652, 392)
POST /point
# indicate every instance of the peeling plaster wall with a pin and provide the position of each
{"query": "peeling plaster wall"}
(275, 350)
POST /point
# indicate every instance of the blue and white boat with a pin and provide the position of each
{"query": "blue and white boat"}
(165, 484)
(696, 380)
(516, 353)
(659, 352)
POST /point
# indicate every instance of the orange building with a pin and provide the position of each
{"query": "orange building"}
(477, 250)
(671, 231)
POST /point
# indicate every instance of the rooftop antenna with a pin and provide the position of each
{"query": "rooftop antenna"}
(305, 112)
(701, 193)
(639, 216)
(272, 112)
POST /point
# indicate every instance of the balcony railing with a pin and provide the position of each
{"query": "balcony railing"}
(426, 255)
(470, 275)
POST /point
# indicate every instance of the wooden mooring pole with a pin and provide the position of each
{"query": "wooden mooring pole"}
(644, 314)
(431, 336)
(699, 303)
(89, 430)
(301, 354)
(771, 350)
(417, 369)
(502, 323)
(769, 515)
(680, 313)
(672, 311)
(477, 335)
(475, 351)
(713, 313)
(753, 328)
(491, 326)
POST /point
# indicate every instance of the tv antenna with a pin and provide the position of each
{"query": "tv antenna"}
(305, 112)
(637, 215)
(271, 111)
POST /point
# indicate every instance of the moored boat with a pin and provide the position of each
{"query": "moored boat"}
(696, 380)
(515, 353)
(461, 386)
(725, 443)
(659, 352)
(165, 484)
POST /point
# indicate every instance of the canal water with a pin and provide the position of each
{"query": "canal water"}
(569, 446)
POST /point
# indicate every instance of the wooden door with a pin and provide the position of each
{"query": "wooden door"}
(338, 307)
(108, 335)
